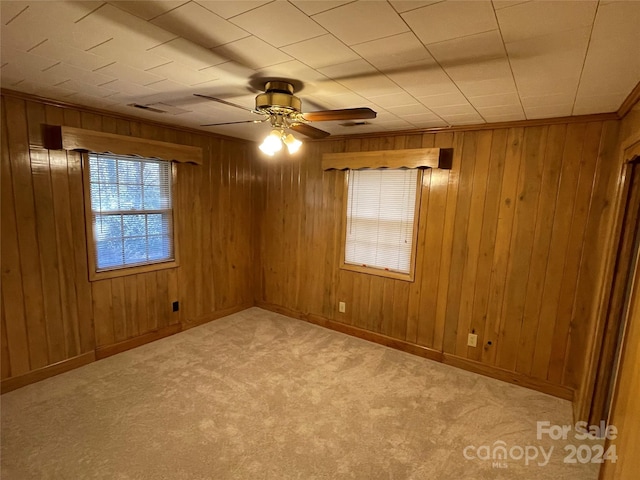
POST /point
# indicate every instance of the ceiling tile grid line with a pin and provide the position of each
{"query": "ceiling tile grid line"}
(584, 60)
(504, 49)
(417, 62)
(409, 14)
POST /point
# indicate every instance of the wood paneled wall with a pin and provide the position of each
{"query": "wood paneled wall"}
(505, 247)
(50, 311)
(511, 245)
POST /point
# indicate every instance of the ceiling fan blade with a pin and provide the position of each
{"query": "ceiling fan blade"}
(224, 102)
(309, 131)
(232, 123)
(344, 114)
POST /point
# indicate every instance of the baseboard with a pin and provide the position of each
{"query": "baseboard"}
(508, 376)
(446, 358)
(109, 350)
(13, 383)
(374, 337)
(215, 315)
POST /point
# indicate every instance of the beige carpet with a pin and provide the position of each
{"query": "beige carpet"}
(257, 395)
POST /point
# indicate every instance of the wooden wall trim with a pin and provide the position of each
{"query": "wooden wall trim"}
(378, 338)
(62, 137)
(13, 383)
(537, 122)
(509, 377)
(448, 359)
(108, 350)
(630, 101)
(214, 316)
(404, 158)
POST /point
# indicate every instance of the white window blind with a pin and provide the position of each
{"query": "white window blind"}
(380, 213)
(131, 210)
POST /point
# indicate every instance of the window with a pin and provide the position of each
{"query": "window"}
(381, 221)
(131, 212)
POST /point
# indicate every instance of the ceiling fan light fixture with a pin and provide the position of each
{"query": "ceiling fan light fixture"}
(292, 143)
(272, 143)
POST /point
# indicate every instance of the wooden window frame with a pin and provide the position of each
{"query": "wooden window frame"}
(94, 274)
(407, 277)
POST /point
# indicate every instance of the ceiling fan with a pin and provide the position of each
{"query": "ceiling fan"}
(279, 106)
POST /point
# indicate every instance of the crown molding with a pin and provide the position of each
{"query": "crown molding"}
(626, 106)
(630, 101)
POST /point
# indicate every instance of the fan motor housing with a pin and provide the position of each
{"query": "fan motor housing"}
(278, 96)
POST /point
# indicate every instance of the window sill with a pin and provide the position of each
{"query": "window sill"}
(125, 271)
(406, 277)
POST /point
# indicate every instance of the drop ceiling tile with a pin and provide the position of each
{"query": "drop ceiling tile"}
(613, 48)
(450, 110)
(375, 20)
(548, 111)
(421, 118)
(451, 19)
(296, 70)
(481, 70)
(535, 19)
(45, 90)
(549, 64)
(501, 110)
(448, 99)
(232, 75)
(10, 9)
(12, 74)
(354, 69)
(298, 26)
(371, 86)
(129, 74)
(415, 109)
(598, 104)
(252, 52)
(499, 4)
(493, 86)
(147, 10)
(328, 88)
(91, 100)
(429, 123)
(321, 51)
(422, 80)
(39, 22)
(187, 53)
(500, 99)
(231, 9)
(66, 71)
(179, 73)
(311, 7)
(469, 50)
(196, 23)
(463, 119)
(397, 50)
(394, 100)
(85, 88)
(125, 27)
(29, 63)
(402, 6)
(127, 92)
(167, 89)
(348, 100)
(121, 51)
(547, 100)
(510, 117)
(72, 56)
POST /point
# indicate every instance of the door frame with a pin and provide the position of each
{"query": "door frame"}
(583, 407)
